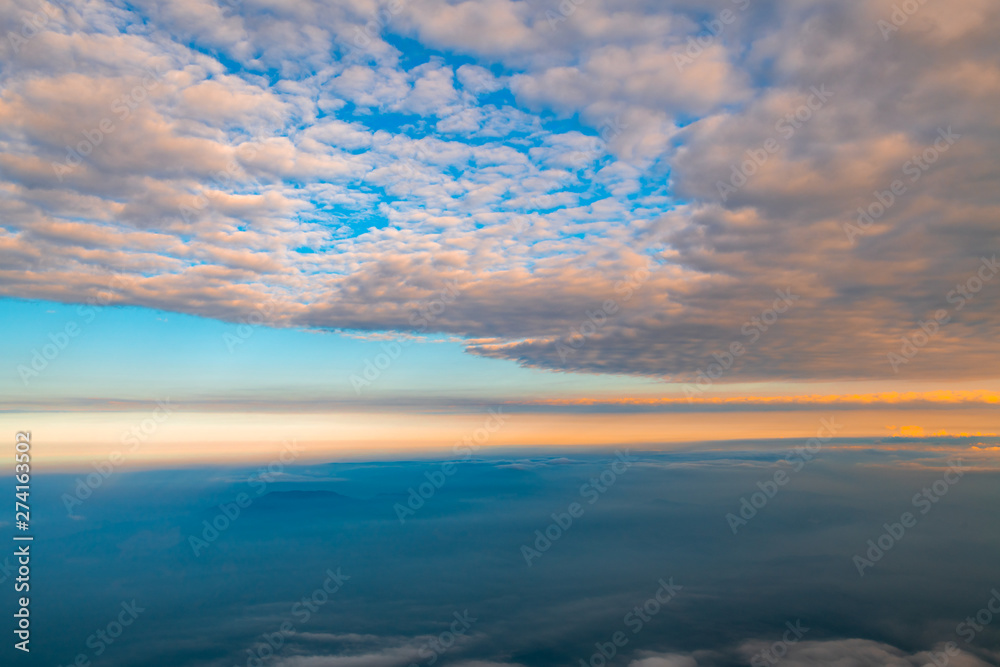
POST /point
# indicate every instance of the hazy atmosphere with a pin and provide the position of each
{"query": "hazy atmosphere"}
(500, 333)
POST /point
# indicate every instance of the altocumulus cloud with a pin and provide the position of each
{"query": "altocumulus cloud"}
(225, 155)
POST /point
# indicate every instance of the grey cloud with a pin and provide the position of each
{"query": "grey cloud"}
(207, 219)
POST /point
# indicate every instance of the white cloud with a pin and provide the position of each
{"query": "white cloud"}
(259, 139)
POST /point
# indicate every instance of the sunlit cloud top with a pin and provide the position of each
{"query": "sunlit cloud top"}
(629, 187)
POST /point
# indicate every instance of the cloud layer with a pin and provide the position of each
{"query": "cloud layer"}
(783, 588)
(620, 188)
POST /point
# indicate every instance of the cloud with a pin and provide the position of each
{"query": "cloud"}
(845, 652)
(548, 167)
(666, 660)
(379, 651)
(865, 653)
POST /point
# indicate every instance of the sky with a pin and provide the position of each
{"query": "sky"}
(503, 333)
(387, 218)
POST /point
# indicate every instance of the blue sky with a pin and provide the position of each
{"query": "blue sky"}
(556, 203)
(487, 249)
(147, 354)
